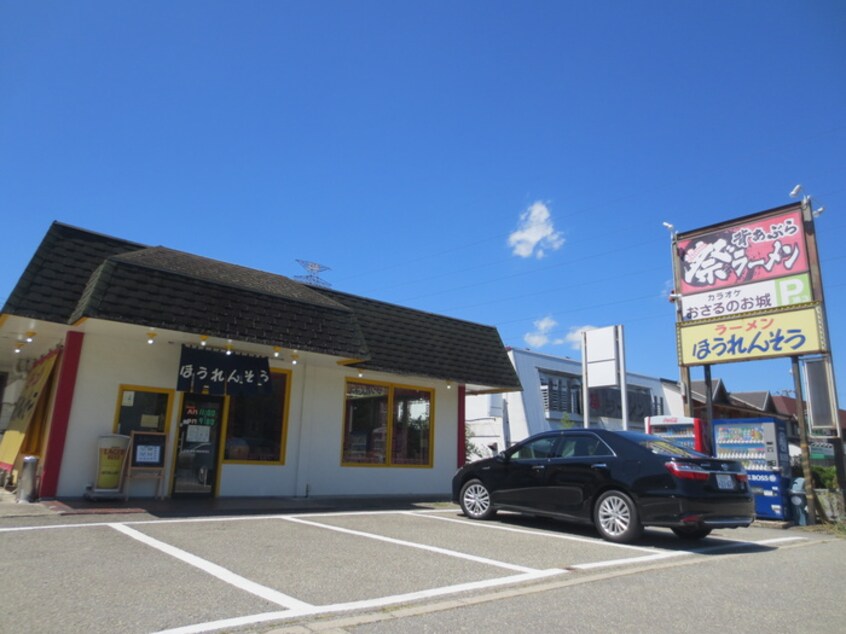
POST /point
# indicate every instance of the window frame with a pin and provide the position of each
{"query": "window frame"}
(389, 432)
(146, 389)
(283, 441)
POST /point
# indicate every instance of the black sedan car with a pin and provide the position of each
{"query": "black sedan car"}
(618, 481)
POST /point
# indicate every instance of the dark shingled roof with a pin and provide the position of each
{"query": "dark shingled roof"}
(757, 400)
(56, 277)
(409, 341)
(76, 273)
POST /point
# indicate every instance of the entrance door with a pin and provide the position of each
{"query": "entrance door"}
(197, 448)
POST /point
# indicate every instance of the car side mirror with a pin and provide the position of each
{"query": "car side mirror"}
(502, 457)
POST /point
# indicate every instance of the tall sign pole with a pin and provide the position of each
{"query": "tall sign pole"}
(624, 386)
(803, 443)
(816, 284)
(675, 298)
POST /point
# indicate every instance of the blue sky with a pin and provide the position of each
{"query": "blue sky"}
(509, 163)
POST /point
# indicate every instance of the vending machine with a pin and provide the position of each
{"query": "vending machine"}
(694, 433)
(761, 445)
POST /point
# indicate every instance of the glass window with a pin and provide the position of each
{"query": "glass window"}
(582, 446)
(411, 427)
(365, 423)
(142, 409)
(255, 429)
(380, 416)
(539, 448)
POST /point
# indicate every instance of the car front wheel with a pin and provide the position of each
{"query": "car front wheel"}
(615, 517)
(475, 500)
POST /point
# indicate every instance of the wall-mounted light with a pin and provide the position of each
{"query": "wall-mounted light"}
(229, 349)
(361, 374)
(295, 358)
(19, 346)
(204, 339)
(151, 337)
(449, 385)
(30, 335)
(276, 351)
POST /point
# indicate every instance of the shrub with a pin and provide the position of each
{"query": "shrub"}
(825, 477)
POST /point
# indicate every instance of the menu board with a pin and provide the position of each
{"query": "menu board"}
(147, 450)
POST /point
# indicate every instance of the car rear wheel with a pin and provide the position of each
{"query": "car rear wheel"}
(615, 517)
(691, 532)
(475, 500)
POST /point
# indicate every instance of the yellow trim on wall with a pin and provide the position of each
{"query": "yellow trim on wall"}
(390, 425)
(168, 416)
(3, 318)
(346, 362)
(142, 388)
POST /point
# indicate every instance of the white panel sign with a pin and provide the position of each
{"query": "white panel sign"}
(601, 354)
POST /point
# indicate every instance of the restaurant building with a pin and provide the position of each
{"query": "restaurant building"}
(220, 380)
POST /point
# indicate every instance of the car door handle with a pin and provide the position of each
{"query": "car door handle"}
(599, 465)
(539, 467)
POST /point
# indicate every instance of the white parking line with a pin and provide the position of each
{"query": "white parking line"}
(402, 542)
(220, 572)
(294, 608)
(366, 604)
(525, 531)
(382, 602)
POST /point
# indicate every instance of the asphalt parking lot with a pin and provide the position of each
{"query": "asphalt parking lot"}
(225, 573)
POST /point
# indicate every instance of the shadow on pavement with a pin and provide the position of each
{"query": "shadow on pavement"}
(211, 507)
(720, 542)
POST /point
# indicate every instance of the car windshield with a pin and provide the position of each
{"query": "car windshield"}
(661, 446)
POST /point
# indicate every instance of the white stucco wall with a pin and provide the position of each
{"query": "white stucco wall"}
(105, 364)
(314, 433)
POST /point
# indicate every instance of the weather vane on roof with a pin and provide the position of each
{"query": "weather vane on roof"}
(314, 270)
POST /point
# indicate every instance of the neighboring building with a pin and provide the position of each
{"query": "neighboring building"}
(760, 404)
(727, 404)
(552, 399)
(239, 382)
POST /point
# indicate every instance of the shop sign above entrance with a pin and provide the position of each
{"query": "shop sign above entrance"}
(215, 372)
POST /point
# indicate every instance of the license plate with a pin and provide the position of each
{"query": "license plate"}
(725, 481)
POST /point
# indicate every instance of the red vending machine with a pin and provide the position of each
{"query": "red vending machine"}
(694, 433)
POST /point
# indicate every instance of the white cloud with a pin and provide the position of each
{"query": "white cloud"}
(574, 336)
(535, 234)
(543, 334)
(540, 336)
